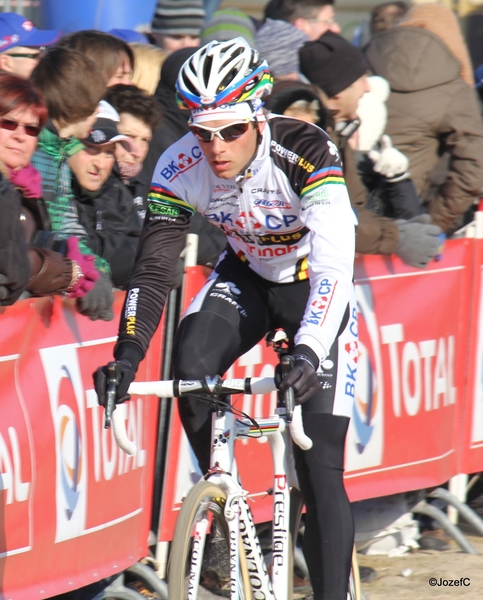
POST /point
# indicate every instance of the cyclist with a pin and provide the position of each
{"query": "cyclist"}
(274, 185)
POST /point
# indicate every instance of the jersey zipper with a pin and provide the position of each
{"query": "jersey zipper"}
(246, 209)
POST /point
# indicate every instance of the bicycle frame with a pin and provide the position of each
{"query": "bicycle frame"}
(225, 429)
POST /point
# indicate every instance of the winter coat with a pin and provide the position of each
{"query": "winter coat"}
(50, 271)
(375, 234)
(433, 118)
(47, 271)
(139, 187)
(175, 120)
(14, 261)
(51, 160)
(112, 224)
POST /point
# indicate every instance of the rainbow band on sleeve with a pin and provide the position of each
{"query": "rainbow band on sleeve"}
(161, 195)
(328, 175)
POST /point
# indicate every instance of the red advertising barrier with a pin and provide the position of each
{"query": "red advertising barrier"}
(406, 426)
(73, 508)
(471, 447)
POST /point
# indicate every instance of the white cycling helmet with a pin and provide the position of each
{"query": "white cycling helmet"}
(222, 73)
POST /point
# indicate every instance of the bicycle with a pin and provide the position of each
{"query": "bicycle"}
(215, 546)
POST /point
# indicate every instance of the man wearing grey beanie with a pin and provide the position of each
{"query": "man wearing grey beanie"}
(339, 69)
(278, 43)
(177, 23)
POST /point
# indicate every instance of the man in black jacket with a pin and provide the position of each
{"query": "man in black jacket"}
(104, 204)
(338, 68)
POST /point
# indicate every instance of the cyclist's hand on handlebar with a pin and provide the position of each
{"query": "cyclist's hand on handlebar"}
(303, 376)
(126, 374)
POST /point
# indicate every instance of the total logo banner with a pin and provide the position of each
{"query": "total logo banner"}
(66, 488)
(86, 454)
(16, 461)
(400, 377)
(406, 420)
(86, 459)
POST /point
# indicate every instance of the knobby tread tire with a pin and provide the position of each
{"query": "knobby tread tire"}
(202, 493)
(148, 577)
(354, 592)
(122, 594)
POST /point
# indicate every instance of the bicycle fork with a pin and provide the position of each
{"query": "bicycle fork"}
(242, 530)
(281, 539)
(278, 586)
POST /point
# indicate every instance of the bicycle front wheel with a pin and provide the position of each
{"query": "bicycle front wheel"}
(354, 589)
(203, 509)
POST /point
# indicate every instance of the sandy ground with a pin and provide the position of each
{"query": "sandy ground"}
(452, 564)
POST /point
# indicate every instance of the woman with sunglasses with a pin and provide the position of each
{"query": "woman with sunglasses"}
(57, 266)
(274, 185)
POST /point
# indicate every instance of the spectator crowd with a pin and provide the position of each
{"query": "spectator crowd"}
(85, 116)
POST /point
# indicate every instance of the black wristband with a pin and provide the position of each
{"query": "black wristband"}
(307, 352)
(130, 352)
(398, 177)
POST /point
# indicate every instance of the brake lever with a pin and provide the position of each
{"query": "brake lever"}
(287, 363)
(113, 378)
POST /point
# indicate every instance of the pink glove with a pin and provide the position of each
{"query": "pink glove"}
(28, 180)
(88, 274)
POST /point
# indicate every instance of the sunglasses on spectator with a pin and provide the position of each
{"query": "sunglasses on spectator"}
(11, 125)
(25, 55)
(328, 22)
(227, 133)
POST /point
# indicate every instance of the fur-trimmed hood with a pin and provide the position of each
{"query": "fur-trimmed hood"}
(426, 49)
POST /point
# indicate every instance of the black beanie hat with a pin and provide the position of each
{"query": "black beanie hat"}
(332, 63)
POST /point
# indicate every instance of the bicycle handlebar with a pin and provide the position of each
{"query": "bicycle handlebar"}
(287, 363)
(177, 388)
(119, 429)
(297, 432)
(112, 383)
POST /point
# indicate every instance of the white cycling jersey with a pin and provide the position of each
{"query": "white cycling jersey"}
(289, 216)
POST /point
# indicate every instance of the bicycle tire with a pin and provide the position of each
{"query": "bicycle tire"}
(143, 579)
(204, 499)
(354, 591)
(122, 594)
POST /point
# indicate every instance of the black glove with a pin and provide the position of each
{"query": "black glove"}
(126, 373)
(303, 377)
(3, 288)
(97, 303)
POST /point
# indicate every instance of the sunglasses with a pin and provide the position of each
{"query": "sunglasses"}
(25, 55)
(11, 125)
(227, 133)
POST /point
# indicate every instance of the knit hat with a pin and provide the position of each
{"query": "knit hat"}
(178, 17)
(227, 24)
(278, 43)
(332, 63)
